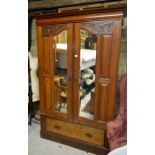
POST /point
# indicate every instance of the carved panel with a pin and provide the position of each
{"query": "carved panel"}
(99, 27)
(53, 29)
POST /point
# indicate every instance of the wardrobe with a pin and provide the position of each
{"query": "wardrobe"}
(78, 56)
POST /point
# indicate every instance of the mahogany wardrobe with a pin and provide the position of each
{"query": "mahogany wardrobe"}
(78, 56)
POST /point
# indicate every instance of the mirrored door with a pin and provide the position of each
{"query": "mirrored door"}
(87, 74)
(59, 44)
(91, 64)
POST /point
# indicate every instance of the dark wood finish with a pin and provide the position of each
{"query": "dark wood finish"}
(83, 133)
(104, 81)
(69, 73)
(99, 27)
(78, 131)
(106, 45)
(40, 67)
(96, 123)
(77, 18)
(40, 50)
(46, 68)
(102, 77)
(81, 12)
(114, 67)
(54, 29)
(103, 100)
(46, 54)
(76, 71)
(71, 141)
(47, 93)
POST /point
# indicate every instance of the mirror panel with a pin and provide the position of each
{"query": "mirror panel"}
(87, 74)
(60, 72)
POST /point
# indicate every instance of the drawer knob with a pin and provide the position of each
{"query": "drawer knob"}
(57, 126)
(89, 135)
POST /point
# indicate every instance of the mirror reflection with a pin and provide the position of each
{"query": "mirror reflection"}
(60, 72)
(87, 74)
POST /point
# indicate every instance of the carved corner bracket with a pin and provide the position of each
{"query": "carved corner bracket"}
(54, 29)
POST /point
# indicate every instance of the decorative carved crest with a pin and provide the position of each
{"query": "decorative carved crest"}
(54, 29)
(99, 27)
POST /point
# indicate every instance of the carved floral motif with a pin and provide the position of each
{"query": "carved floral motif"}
(99, 27)
(53, 29)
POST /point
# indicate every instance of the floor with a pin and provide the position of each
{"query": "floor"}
(40, 146)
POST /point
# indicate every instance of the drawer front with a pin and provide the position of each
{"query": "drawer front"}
(83, 133)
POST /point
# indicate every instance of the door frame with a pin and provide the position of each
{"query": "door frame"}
(49, 32)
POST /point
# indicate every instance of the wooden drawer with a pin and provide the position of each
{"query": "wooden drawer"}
(80, 132)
